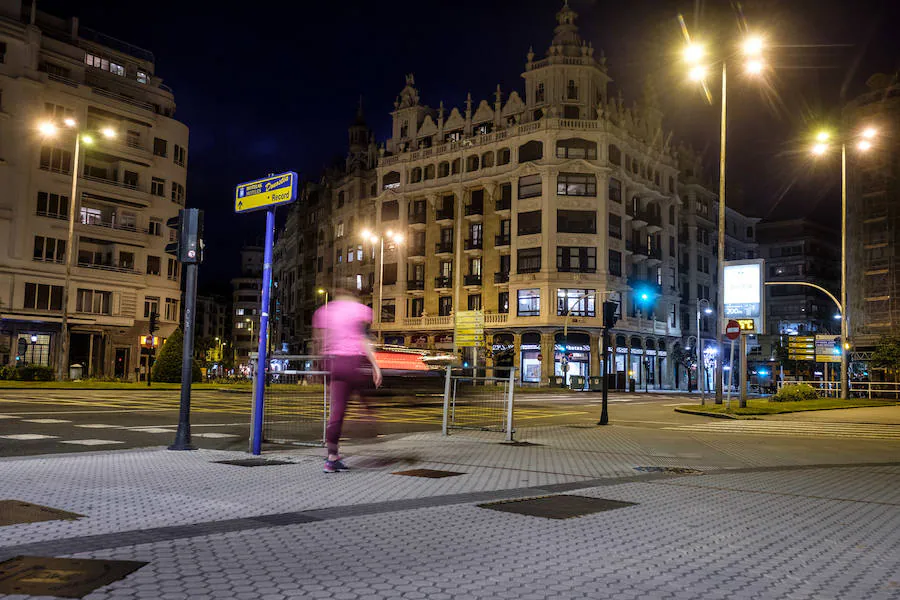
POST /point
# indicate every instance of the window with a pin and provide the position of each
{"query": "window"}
(142, 76)
(155, 227)
(615, 155)
(529, 260)
(117, 69)
(474, 302)
(340, 199)
(539, 94)
(749, 233)
(151, 305)
(390, 273)
(160, 147)
(390, 211)
(615, 190)
(472, 163)
(171, 309)
(529, 222)
(172, 270)
(576, 221)
(429, 171)
(530, 186)
(503, 303)
(475, 266)
(153, 265)
(388, 310)
(130, 179)
(339, 230)
(533, 150)
(443, 169)
(41, 296)
(56, 160)
(503, 156)
(529, 303)
(339, 255)
(445, 306)
(615, 263)
(576, 184)
(576, 148)
(177, 193)
(95, 302)
(126, 260)
(575, 302)
(350, 254)
(571, 90)
(615, 226)
(49, 249)
(179, 154)
(416, 307)
(52, 205)
(158, 186)
(575, 259)
(2, 52)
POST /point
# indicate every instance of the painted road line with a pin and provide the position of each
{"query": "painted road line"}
(8, 417)
(46, 421)
(91, 442)
(100, 426)
(794, 428)
(149, 429)
(215, 435)
(29, 436)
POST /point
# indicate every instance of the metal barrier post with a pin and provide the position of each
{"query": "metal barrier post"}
(445, 424)
(509, 407)
(325, 411)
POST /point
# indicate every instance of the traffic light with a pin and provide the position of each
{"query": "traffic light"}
(188, 244)
(645, 295)
(609, 313)
(154, 323)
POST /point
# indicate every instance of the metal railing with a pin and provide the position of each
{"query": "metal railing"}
(887, 390)
(295, 401)
(479, 402)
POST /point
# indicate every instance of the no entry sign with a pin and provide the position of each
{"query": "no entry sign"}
(733, 330)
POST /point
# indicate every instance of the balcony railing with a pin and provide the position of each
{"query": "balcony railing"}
(444, 214)
(107, 181)
(417, 217)
(113, 225)
(501, 277)
(496, 318)
(476, 208)
(443, 282)
(415, 284)
(472, 280)
(501, 239)
(422, 322)
(443, 247)
(474, 244)
(503, 204)
(109, 267)
(655, 253)
(417, 250)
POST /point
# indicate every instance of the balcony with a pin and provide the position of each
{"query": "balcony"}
(501, 277)
(496, 318)
(418, 250)
(415, 285)
(474, 244)
(503, 204)
(501, 240)
(444, 214)
(428, 322)
(654, 256)
(110, 267)
(443, 282)
(640, 251)
(109, 181)
(417, 218)
(472, 280)
(654, 222)
(475, 208)
(443, 247)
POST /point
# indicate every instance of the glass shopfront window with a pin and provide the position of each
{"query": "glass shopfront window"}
(572, 356)
(530, 363)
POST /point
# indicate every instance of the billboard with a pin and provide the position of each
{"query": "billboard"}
(743, 297)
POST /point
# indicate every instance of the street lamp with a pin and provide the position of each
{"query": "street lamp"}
(751, 52)
(863, 141)
(374, 238)
(700, 378)
(49, 129)
(323, 292)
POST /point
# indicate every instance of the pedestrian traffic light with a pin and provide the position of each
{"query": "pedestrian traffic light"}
(154, 323)
(188, 244)
(609, 313)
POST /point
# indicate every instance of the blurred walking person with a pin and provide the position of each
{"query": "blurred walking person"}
(341, 332)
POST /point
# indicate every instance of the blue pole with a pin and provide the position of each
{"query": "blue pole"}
(262, 361)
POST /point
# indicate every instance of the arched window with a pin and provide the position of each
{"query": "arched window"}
(415, 176)
(455, 166)
(444, 169)
(615, 155)
(572, 90)
(390, 180)
(429, 172)
(487, 159)
(576, 148)
(472, 163)
(503, 156)
(533, 150)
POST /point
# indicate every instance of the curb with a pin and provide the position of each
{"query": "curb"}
(702, 413)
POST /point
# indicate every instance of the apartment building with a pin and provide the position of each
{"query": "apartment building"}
(131, 178)
(246, 300)
(210, 327)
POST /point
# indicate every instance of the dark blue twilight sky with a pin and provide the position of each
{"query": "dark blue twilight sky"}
(272, 86)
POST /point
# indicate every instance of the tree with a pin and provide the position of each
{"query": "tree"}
(887, 354)
(686, 359)
(167, 368)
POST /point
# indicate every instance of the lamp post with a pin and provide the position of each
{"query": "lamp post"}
(864, 140)
(34, 339)
(700, 378)
(374, 238)
(754, 66)
(323, 292)
(49, 130)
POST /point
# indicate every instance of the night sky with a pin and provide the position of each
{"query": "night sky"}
(272, 86)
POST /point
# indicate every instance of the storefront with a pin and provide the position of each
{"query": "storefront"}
(572, 355)
(636, 366)
(620, 364)
(443, 341)
(650, 363)
(530, 358)
(502, 350)
(394, 340)
(418, 340)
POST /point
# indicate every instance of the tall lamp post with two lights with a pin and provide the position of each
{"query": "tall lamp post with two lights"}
(375, 238)
(49, 130)
(700, 378)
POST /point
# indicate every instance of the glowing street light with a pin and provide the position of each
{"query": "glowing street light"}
(47, 129)
(374, 238)
(69, 122)
(822, 136)
(754, 67)
(697, 73)
(753, 45)
(820, 149)
(108, 132)
(693, 53)
(864, 145)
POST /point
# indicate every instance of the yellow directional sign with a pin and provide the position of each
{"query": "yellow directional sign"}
(469, 328)
(265, 193)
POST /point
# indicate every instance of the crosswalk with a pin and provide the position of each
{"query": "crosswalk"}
(865, 431)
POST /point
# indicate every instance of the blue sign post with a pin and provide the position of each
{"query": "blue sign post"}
(256, 195)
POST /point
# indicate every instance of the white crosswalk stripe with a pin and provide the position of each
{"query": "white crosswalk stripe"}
(28, 436)
(794, 428)
(46, 421)
(91, 442)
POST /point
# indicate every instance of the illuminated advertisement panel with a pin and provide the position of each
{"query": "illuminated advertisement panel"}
(744, 297)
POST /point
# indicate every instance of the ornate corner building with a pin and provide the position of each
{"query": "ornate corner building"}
(520, 206)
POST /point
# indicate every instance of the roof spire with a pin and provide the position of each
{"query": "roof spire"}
(566, 36)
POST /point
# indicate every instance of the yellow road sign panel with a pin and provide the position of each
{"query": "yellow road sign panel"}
(265, 193)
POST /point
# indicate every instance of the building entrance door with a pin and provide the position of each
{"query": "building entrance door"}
(121, 364)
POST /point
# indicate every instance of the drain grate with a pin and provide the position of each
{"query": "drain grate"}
(674, 470)
(254, 462)
(520, 444)
(429, 473)
(556, 507)
(13, 512)
(61, 577)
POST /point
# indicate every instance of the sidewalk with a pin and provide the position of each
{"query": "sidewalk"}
(765, 518)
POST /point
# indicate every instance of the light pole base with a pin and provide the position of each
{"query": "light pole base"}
(182, 439)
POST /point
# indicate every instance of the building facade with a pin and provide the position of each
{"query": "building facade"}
(873, 215)
(245, 304)
(52, 71)
(210, 320)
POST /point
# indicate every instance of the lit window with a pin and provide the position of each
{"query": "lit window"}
(239, 312)
(142, 76)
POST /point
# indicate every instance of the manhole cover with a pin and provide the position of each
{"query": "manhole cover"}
(429, 473)
(61, 577)
(556, 507)
(13, 512)
(520, 444)
(675, 470)
(253, 462)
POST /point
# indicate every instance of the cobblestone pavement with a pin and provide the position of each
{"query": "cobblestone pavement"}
(769, 517)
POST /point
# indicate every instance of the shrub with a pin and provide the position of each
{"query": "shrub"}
(34, 373)
(795, 393)
(7, 373)
(167, 367)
